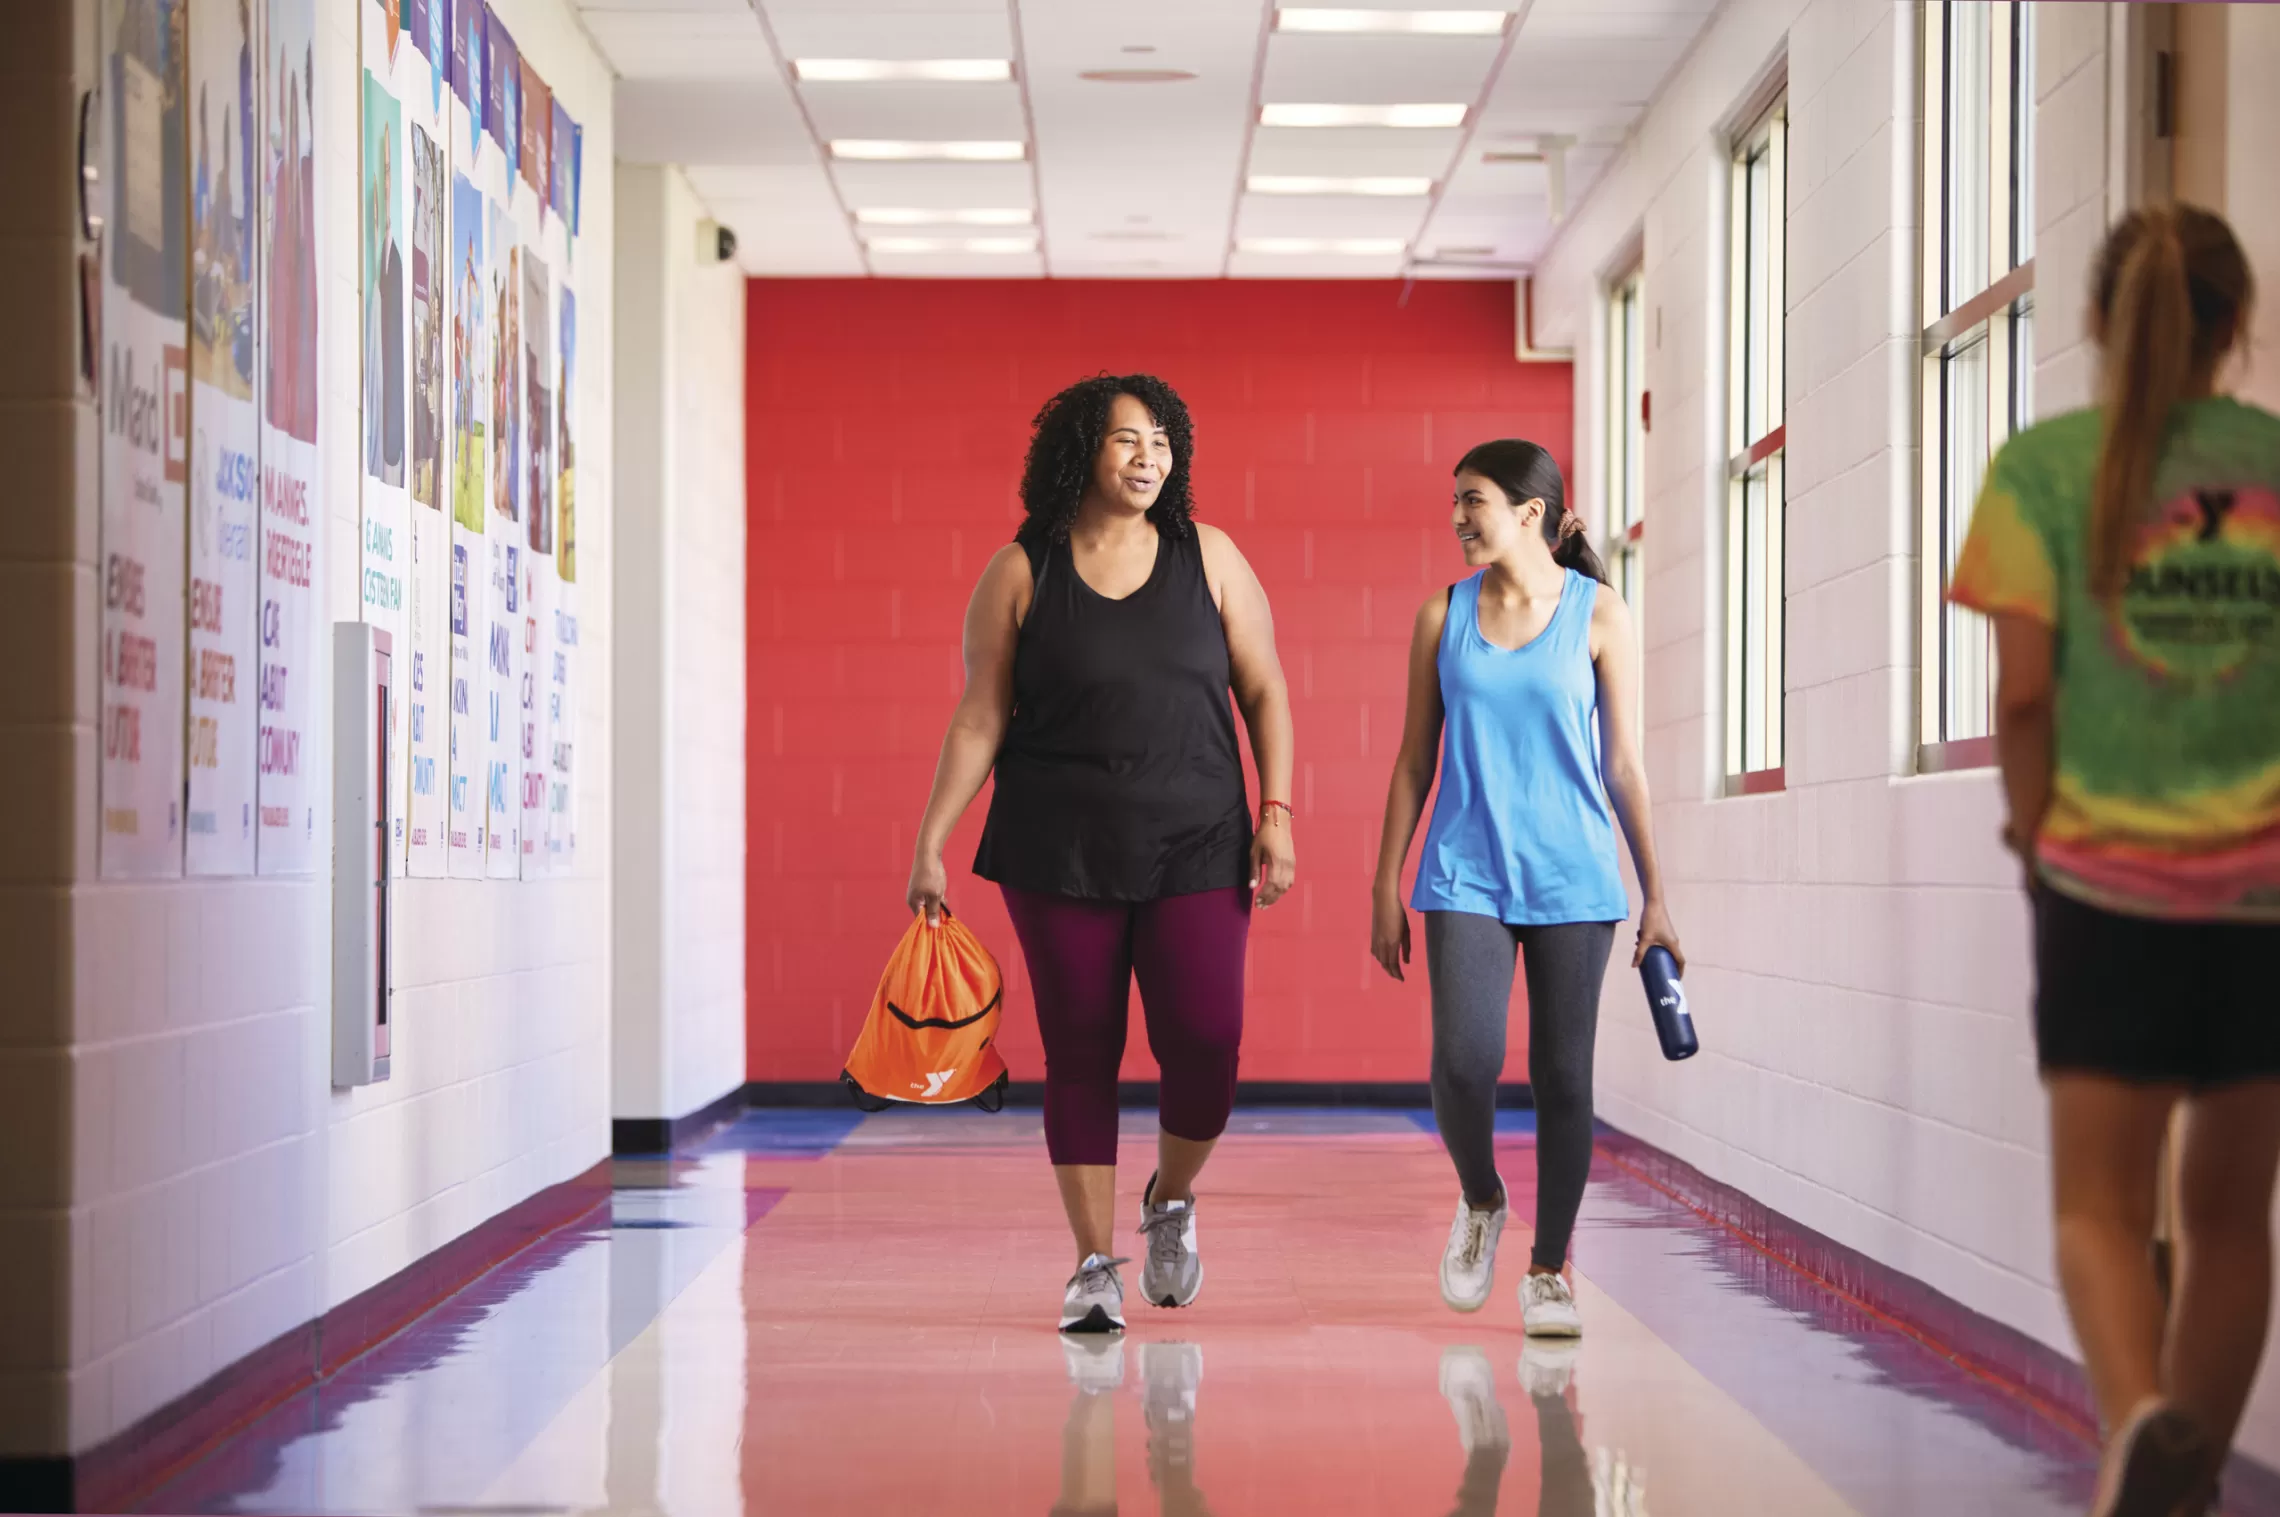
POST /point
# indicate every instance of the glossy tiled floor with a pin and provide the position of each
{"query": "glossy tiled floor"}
(817, 1313)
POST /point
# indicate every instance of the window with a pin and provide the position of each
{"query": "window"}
(1625, 526)
(1978, 335)
(1755, 492)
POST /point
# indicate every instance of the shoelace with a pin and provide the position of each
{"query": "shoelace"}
(1163, 1229)
(1476, 1237)
(1097, 1277)
(1549, 1288)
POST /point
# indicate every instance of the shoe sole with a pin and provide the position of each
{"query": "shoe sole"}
(2165, 1466)
(1560, 1331)
(1095, 1321)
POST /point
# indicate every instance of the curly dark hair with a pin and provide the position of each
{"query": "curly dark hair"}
(1067, 440)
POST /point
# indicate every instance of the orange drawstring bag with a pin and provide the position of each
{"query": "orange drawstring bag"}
(931, 1037)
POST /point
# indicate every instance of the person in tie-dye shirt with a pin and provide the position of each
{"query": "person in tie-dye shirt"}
(2130, 558)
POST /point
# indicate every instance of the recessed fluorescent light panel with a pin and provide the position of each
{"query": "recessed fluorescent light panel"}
(914, 216)
(1471, 23)
(952, 244)
(1362, 115)
(1321, 184)
(897, 70)
(878, 150)
(1358, 247)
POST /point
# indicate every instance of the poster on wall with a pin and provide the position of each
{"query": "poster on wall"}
(290, 628)
(225, 444)
(383, 287)
(502, 789)
(145, 412)
(421, 70)
(468, 450)
(561, 710)
(538, 559)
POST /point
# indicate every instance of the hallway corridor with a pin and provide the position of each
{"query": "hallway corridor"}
(816, 1312)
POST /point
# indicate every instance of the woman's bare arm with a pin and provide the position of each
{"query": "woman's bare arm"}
(1413, 769)
(1615, 659)
(1263, 696)
(977, 727)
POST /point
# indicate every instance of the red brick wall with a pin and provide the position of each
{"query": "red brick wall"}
(887, 422)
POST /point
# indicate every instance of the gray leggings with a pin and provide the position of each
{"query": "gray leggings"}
(1469, 959)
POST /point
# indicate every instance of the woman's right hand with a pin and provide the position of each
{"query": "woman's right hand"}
(1389, 934)
(929, 882)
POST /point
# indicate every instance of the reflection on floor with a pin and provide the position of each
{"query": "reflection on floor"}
(814, 1312)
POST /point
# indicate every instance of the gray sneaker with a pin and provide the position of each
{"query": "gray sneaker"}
(1094, 1301)
(1173, 1271)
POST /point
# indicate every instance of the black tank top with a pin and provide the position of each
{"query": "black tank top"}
(1119, 778)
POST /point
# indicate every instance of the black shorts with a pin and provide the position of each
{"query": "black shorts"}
(2152, 1000)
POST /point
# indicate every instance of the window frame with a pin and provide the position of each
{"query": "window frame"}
(1756, 684)
(1977, 330)
(1624, 391)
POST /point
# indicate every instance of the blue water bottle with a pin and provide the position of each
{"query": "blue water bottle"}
(1666, 1001)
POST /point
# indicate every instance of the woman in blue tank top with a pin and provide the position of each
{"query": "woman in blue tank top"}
(1524, 678)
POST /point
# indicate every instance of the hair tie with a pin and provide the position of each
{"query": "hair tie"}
(1571, 525)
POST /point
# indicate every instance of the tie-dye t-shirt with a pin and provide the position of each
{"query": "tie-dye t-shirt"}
(2166, 799)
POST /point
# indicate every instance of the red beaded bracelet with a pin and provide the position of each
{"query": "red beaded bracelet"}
(1282, 806)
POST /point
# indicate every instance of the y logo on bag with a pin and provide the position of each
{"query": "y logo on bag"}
(934, 1083)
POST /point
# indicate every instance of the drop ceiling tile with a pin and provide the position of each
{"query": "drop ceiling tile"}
(1477, 178)
(1355, 150)
(870, 29)
(797, 196)
(1638, 20)
(1328, 216)
(1348, 70)
(655, 7)
(1509, 235)
(935, 186)
(920, 112)
(681, 44)
(1287, 266)
(709, 121)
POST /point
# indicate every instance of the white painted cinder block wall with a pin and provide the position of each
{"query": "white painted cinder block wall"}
(679, 970)
(1858, 943)
(221, 1191)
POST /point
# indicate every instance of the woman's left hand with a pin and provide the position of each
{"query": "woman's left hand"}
(1274, 864)
(1655, 931)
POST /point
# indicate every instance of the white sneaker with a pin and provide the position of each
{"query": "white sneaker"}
(1094, 1301)
(1095, 1360)
(1173, 1272)
(1468, 1264)
(1469, 1383)
(1547, 1307)
(1547, 1366)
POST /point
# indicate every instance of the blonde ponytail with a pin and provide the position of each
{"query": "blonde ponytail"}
(2173, 287)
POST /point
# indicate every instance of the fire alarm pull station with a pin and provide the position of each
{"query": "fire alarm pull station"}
(363, 989)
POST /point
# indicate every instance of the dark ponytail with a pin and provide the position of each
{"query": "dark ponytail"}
(1525, 472)
(2172, 289)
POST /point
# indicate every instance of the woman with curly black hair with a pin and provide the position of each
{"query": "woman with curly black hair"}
(1101, 646)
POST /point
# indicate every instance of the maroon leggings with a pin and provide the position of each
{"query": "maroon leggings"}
(1082, 955)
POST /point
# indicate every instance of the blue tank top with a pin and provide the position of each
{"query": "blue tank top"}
(1521, 830)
